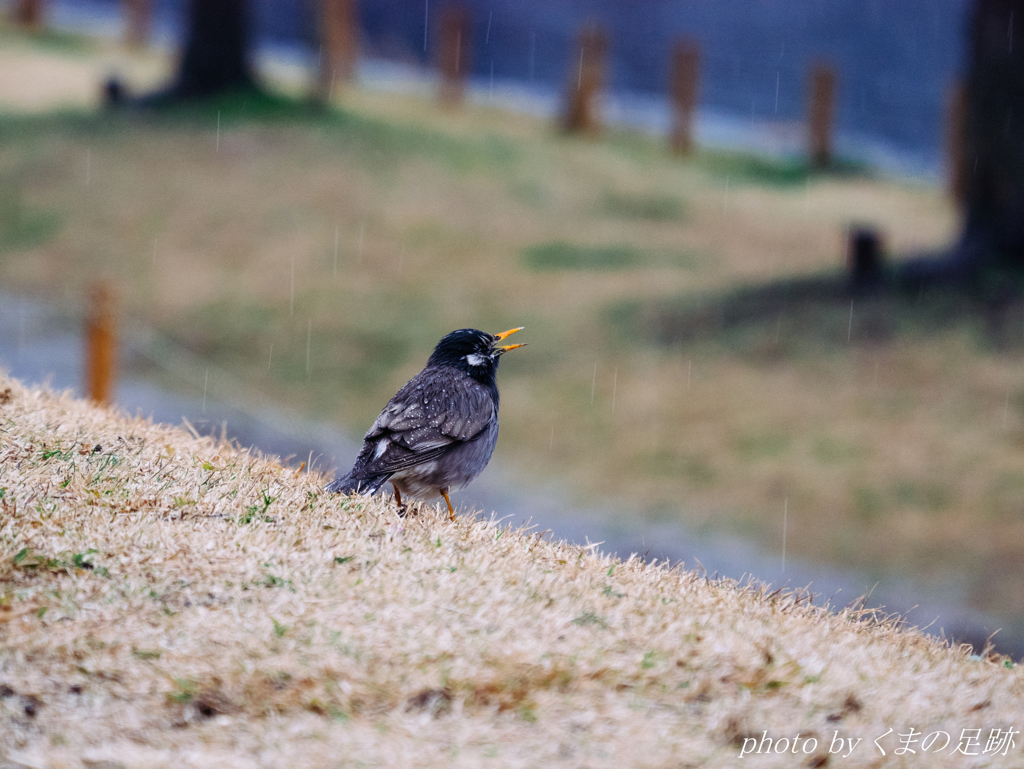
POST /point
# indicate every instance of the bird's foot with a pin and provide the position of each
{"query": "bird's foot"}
(451, 513)
(402, 509)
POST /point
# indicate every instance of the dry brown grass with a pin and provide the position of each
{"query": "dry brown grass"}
(167, 600)
(894, 454)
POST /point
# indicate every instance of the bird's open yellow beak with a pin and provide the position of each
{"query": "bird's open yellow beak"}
(503, 334)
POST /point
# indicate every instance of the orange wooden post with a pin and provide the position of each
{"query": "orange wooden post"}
(684, 80)
(29, 14)
(956, 152)
(340, 44)
(100, 345)
(454, 54)
(586, 79)
(819, 119)
(137, 15)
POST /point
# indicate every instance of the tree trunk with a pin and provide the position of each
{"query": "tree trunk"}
(216, 56)
(990, 137)
(29, 14)
(994, 135)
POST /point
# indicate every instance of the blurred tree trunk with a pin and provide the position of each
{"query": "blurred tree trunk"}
(217, 48)
(989, 146)
(29, 14)
(994, 135)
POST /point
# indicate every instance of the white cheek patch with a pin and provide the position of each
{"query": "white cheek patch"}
(475, 359)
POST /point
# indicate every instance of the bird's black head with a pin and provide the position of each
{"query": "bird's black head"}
(474, 352)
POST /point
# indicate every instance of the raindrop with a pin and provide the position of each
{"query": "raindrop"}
(426, 16)
(270, 357)
(785, 515)
(218, 130)
(1006, 409)
(533, 51)
(21, 332)
(615, 382)
(725, 209)
(777, 93)
(689, 371)
(579, 81)
(487, 37)
(336, 233)
(88, 165)
(551, 442)
(849, 328)
(206, 381)
(309, 337)
(593, 384)
(291, 306)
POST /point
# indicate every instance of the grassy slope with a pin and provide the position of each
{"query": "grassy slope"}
(168, 601)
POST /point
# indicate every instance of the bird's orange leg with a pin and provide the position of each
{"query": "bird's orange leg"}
(451, 513)
(398, 500)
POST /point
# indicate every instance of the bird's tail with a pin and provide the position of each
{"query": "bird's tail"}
(351, 485)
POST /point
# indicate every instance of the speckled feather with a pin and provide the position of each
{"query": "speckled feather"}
(439, 430)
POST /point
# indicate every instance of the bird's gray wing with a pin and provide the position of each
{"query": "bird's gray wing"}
(424, 420)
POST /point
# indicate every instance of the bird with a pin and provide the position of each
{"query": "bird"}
(439, 431)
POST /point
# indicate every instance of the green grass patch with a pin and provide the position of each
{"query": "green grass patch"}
(868, 503)
(51, 41)
(742, 167)
(561, 255)
(764, 445)
(832, 451)
(21, 225)
(655, 207)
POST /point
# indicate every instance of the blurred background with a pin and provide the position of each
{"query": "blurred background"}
(764, 252)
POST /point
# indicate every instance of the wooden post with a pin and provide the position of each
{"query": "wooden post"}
(454, 54)
(956, 154)
(819, 119)
(684, 79)
(864, 256)
(100, 345)
(586, 79)
(340, 45)
(29, 14)
(137, 15)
